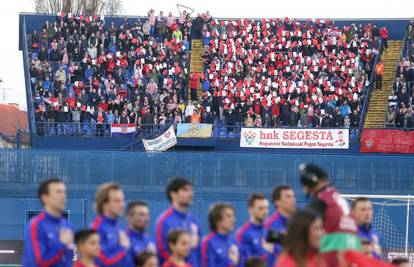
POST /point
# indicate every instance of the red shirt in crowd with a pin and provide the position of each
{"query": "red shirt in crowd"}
(384, 33)
(275, 110)
(194, 81)
(103, 106)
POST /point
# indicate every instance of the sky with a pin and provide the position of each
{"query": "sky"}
(12, 89)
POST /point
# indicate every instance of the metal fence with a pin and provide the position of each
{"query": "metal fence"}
(83, 129)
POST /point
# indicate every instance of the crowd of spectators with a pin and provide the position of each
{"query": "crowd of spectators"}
(88, 70)
(281, 72)
(267, 73)
(401, 102)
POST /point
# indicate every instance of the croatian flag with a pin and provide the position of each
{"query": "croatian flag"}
(120, 129)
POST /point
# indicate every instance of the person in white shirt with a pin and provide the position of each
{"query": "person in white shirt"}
(189, 111)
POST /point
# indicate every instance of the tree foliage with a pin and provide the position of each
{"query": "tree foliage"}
(79, 7)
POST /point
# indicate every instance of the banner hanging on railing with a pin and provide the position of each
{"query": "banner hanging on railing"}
(194, 130)
(162, 142)
(387, 141)
(295, 138)
(120, 129)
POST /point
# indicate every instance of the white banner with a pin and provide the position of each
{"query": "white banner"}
(162, 142)
(295, 138)
(409, 256)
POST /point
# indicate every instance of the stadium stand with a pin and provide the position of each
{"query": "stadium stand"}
(83, 71)
(400, 111)
(87, 74)
(287, 73)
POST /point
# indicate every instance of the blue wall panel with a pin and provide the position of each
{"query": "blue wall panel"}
(184, 144)
(216, 177)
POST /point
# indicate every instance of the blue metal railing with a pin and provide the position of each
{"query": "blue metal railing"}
(367, 99)
(87, 129)
(146, 131)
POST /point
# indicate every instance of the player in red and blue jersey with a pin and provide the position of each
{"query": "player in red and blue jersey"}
(252, 235)
(180, 194)
(362, 212)
(276, 225)
(49, 237)
(220, 248)
(137, 215)
(115, 244)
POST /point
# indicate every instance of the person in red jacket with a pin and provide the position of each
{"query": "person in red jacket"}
(384, 36)
(194, 80)
(179, 244)
(301, 246)
(87, 243)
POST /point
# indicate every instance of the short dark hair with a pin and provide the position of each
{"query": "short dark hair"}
(82, 235)
(136, 203)
(174, 235)
(141, 258)
(43, 188)
(254, 197)
(176, 183)
(215, 214)
(277, 192)
(358, 200)
(255, 262)
(397, 261)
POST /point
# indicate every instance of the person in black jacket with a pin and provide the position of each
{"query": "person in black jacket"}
(284, 112)
(354, 117)
(399, 121)
(42, 56)
(326, 121)
(61, 118)
(338, 120)
(55, 57)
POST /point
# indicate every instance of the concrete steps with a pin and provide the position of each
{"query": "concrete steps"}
(379, 98)
(196, 62)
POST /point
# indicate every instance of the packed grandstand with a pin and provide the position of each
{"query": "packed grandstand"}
(88, 73)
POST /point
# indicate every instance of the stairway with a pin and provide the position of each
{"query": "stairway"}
(379, 98)
(196, 62)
